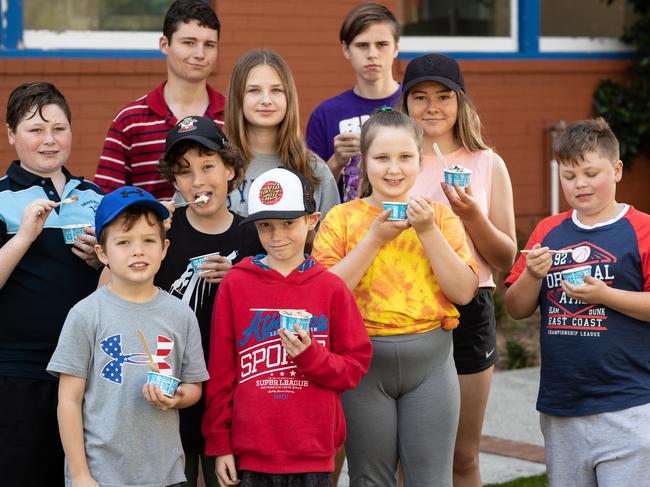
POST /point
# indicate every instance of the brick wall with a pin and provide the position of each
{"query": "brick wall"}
(516, 99)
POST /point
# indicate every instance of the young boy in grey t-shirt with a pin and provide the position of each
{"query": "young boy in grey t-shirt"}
(110, 435)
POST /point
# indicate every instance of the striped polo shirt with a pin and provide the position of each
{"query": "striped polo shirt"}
(49, 279)
(136, 142)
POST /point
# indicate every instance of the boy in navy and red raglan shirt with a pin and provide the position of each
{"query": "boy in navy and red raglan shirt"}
(273, 406)
(594, 395)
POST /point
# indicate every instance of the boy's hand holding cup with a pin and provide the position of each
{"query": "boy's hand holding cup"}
(84, 247)
(294, 345)
(160, 401)
(214, 268)
(593, 291)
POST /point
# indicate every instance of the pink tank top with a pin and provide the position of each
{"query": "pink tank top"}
(480, 163)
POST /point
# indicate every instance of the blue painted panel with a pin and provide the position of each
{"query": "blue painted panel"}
(12, 36)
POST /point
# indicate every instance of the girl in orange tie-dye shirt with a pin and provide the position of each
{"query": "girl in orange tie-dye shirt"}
(405, 276)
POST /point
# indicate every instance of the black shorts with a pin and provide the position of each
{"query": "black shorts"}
(475, 339)
(30, 449)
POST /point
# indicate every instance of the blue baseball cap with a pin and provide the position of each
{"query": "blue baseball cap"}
(116, 202)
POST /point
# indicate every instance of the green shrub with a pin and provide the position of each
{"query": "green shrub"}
(519, 356)
(625, 105)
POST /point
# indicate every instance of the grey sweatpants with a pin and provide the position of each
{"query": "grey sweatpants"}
(406, 408)
(599, 450)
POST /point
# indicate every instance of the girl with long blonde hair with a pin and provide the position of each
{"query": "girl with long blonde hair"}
(262, 119)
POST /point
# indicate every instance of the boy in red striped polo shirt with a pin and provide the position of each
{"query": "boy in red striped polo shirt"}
(136, 139)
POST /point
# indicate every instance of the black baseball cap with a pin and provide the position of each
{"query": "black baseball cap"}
(200, 129)
(433, 67)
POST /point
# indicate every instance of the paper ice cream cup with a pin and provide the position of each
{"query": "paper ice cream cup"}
(457, 175)
(575, 275)
(397, 210)
(167, 385)
(70, 232)
(200, 259)
(290, 317)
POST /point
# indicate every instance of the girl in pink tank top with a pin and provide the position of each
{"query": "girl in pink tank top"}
(433, 94)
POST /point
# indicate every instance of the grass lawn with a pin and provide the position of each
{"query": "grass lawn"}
(536, 481)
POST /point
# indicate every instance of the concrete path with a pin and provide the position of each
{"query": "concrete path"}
(511, 415)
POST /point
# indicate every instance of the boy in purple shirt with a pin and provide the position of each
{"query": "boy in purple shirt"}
(370, 39)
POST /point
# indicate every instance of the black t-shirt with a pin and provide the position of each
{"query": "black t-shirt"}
(178, 278)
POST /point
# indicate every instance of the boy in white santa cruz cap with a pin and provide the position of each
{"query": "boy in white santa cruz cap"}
(287, 422)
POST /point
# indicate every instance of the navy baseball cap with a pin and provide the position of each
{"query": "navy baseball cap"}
(200, 129)
(433, 67)
(116, 202)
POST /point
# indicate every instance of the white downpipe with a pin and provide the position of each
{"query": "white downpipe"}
(555, 169)
(555, 188)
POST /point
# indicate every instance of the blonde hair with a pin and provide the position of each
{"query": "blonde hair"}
(467, 129)
(385, 117)
(291, 148)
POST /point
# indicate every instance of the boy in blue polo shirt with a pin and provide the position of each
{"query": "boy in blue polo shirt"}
(594, 395)
(41, 277)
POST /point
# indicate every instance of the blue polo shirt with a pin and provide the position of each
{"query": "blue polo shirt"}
(49, 279)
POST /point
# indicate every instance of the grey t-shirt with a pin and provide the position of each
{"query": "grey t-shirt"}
(128, 442)
(326, 193)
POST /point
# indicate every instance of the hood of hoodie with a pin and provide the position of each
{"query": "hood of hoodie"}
(301, 275)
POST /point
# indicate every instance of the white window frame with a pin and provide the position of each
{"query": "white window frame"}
(582, 44)
(91, 39)
(466, 43)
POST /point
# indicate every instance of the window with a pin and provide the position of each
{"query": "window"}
(93, 24)
(458, 25)
(584, 25)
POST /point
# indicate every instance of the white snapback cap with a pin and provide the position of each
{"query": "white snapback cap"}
(280, 193)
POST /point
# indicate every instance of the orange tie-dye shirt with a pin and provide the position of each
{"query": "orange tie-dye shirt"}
(399, 293)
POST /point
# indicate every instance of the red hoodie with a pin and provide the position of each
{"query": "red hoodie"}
(277, 414)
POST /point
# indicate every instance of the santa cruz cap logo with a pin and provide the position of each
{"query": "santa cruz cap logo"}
(187, 124)
(270, 193)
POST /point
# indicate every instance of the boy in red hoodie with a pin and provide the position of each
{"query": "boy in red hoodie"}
(273, 409)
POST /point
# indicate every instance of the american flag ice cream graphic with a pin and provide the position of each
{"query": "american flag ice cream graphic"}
(112, 346)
